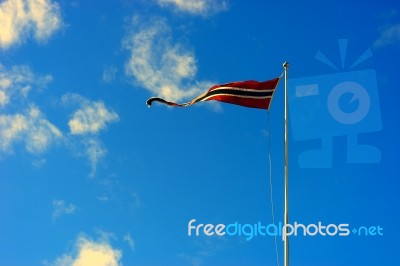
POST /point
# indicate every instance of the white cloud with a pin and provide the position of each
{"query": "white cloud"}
(91, 117)
(104, 235)
(4, 99)
(22, 123)
(90, 252)
(193, 260)
(38, 163)
(109, 74)
(85, 124)
(30, 128)
(41, 133)
(197, 7)
(61, 208)
(103, 198)
(17, 82)
(12, 129)
(388, 36)
(164, 68)
(94, 150)
(27, 125)
(128, 239)
(21, 18)
(136, 200)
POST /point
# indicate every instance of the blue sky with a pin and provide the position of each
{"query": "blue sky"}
(90, 176)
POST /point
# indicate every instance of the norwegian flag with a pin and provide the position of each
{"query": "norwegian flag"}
(250, 93)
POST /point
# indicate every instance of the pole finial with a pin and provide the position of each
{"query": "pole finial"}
(286, 65)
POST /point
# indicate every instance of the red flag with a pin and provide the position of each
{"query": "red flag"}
(249, 93)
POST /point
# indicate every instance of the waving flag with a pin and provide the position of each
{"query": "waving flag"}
(249, 93)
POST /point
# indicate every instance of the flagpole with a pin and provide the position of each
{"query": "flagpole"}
(286, 170)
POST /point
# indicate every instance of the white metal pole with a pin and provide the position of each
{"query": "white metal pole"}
(286, 170)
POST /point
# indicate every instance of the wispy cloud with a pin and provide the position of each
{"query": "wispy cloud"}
(94, 150)
(17, 81)
(22, 18)
(109, 74)
(129, 240)
(38, 163)
(30, 128)
(103, 198)
(196, 7)
(61, 208)
(205, 248)
(136, 200)
(41, 133)
(388, 36)
(91, 116)
(165, 68)
(12, 129)
(27, 124)
(193, 260)
(90, 252)
(86, 122)
(23, 123)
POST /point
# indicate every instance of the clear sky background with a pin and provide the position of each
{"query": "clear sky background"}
(89, 175)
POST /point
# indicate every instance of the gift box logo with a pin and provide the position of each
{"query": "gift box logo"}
(339, 104)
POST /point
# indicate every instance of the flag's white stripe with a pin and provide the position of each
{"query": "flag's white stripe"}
(241, 89)
(235, 95)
